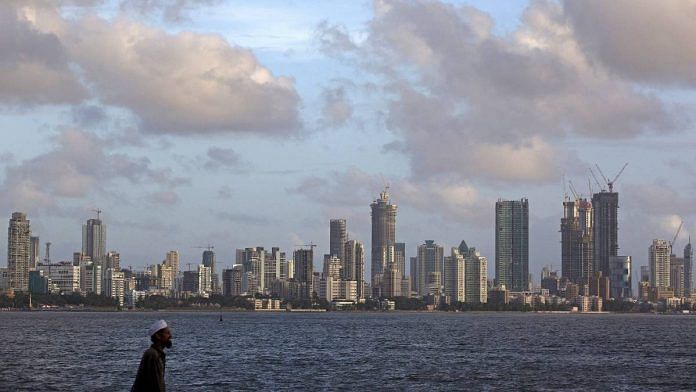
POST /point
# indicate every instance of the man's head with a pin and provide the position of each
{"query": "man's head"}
(160, 334)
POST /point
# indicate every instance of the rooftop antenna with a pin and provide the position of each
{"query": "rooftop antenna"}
(98, 211)
(48, 253)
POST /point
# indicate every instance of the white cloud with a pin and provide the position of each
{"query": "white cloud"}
(466, 102)
(651, 41)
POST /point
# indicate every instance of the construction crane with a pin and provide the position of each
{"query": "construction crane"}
(573, 190)
(311, 245)
(674, 240)
(209, 247)
(189, 266)
(595, 179)
(609, 182)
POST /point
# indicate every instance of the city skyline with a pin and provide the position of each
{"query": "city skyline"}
(453, 104)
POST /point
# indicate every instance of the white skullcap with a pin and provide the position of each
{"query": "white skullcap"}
(156, 326)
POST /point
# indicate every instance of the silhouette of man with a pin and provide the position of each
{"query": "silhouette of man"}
(151, 370)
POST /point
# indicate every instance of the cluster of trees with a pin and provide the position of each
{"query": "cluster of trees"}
(156, 302)
(21, 300)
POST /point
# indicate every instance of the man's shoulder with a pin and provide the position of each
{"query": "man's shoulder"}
(151, 352)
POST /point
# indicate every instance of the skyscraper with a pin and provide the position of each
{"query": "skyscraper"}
(34, 253)
(383, 236)
(94, 240)
(688, 269)
(605, 229)
(172, 260)
(659, 259)
(400, 257)
(454, 276)
(19, 251)
(354, 265)
(621, 280)
(304, 272)
(512, 244)
(576, 241)
(338, 236)
(209, 261)
(475, 275)
(429, 268)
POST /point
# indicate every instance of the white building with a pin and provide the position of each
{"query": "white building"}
(113, 285)
(476, 285)
(64, 276)
(204, 280)
(454, 274)
(349, 290)
(659, 258)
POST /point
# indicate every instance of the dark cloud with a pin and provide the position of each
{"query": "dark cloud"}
(34, 65)
(88, 115)
(219, 157)
(79, 164)
(169, 10)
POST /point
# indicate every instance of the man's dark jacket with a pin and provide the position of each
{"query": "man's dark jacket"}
(151, 371)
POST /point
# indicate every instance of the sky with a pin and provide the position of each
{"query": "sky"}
(253, 123)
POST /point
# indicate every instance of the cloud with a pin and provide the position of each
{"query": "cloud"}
(221, 157)
(242, 218)
(445, 197)
(169, 10)
(463, 101)
(79, 164)
(225, 192)
(640, 39)
(337, 107)
(34, 65)
(183, 84)
(164, 197)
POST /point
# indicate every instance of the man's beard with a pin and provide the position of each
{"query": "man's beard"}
(168, 344)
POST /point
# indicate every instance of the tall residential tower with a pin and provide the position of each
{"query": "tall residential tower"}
(512, 244)
(19, 251)
(383, 236)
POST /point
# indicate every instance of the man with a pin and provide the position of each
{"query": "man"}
(151, 370)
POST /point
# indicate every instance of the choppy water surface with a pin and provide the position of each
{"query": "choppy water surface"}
(367, 351)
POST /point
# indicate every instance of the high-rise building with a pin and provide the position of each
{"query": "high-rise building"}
(621, 282)
(383, 236)
(688, 269)
(354, 265)
(34, 253)
(676, 275)
(253, 260)
(94, 240)
(576, 241)
(475, 274)
(429, 271)
(337, 237)
(19, 251)
(274, 266)
(454, 276)
(605, 229)
(114, 285)
(659, 259)
(232, 281)
(113, 260)
(204, 279)
(304, 272)
(209, 261)
(172, 259)
(512, 244)
(400, 257)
